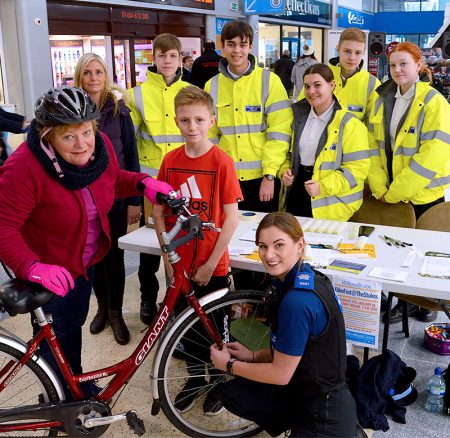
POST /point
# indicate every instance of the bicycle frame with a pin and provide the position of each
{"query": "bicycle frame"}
(124, 370)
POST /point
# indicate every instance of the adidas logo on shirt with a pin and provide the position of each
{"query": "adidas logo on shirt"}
(191, 191)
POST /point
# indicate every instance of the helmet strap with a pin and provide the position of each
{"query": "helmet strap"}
(50, 152)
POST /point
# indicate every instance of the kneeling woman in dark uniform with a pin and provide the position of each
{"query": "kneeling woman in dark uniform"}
(299, 383)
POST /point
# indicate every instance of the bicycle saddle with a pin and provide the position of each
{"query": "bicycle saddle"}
(19, 296)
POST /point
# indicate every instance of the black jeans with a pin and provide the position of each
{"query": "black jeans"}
(109, 281)
(69, 314)
(148, 267)
(422, 208)
(299, 201)
(250, 191)
(279, 408)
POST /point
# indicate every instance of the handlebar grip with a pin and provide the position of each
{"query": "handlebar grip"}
(161, 198)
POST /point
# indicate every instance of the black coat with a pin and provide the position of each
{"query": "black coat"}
(204, 68)
(283, 68)
(9, 122)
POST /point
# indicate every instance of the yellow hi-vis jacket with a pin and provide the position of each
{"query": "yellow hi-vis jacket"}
(420, 157)
(152, 113)
(358, 94)
(253, 120)
(342, 163)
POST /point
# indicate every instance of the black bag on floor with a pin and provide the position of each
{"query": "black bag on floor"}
(446, 376)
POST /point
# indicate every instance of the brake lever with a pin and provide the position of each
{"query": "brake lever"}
(211, 226)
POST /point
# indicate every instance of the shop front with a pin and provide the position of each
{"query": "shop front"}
(122, 36)
(302, 23)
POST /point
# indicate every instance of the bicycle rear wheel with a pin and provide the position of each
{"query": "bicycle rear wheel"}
(30, 386)
(244, 312)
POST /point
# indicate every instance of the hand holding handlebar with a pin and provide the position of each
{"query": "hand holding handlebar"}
(53, 277)
(153, 187)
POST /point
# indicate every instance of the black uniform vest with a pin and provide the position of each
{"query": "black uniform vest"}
(323, 364)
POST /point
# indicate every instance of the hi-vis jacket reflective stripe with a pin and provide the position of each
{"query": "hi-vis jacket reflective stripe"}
(254, 120)
(153, 112)
(358, 95)
(342, 162)
(421, 153)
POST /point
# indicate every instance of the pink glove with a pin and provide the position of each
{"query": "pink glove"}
(153, 186)
(54, 278)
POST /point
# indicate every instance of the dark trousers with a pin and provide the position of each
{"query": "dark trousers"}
(109, 281)
(196, 341)
(245, 280)
(148, 267)
(279, 408)
(421, 209)
(250, 191)
(298, 200)
(69, 314)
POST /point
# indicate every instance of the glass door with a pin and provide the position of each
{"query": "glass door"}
(132, 57)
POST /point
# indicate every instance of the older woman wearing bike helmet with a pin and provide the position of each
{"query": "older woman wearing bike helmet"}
(299, 382)
(56, 191)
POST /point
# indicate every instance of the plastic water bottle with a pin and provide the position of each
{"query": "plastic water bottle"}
(436, 391)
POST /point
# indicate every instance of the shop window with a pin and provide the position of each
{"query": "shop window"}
(411, 6)
(269, 44)
(313, 38)
(65, 52)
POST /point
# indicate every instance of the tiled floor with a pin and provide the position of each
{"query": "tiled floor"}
(101, 350)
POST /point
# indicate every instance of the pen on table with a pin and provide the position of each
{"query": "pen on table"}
(385, 240)
(395, 242)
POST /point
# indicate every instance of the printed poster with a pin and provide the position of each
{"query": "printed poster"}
(360, 301)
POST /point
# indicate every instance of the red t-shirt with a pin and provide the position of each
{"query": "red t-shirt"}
(209, 182)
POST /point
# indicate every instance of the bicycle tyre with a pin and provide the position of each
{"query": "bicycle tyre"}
(31, 385)
(172, 372)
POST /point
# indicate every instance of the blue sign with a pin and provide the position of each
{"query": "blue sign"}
(257, 7)
(351, 18)
(220, 23)
(308, 11)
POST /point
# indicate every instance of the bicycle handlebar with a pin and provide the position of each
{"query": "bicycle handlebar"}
(186, 221)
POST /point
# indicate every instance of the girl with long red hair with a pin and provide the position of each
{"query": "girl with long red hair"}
(409, 138)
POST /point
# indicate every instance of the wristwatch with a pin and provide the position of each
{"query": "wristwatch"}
(269, 177)
(230, 366)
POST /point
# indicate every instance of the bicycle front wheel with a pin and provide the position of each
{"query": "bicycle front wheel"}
(238, 316)
(30, 386)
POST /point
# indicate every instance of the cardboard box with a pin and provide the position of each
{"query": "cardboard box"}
(148, 213)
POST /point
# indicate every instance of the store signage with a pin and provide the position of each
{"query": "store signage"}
(351, 18)
(309, 11)
(120, 15)
(373, 66)
(390, 46)
(220, 23)
(257, 7)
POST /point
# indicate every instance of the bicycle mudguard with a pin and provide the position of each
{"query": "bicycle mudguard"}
(17, 343)
(162, 344)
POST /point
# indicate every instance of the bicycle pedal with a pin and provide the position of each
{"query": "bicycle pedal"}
(135, 423)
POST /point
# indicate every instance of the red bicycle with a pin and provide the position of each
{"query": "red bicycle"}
(32, 401)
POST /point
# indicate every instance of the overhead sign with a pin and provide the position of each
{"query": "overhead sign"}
(257, 7)
(309, 11)
(351, 18)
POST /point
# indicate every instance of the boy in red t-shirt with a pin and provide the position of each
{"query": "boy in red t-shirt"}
(204, 174)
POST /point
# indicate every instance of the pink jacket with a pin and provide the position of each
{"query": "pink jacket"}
(40, 220)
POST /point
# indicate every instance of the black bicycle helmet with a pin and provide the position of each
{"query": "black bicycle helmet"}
(65, 106)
